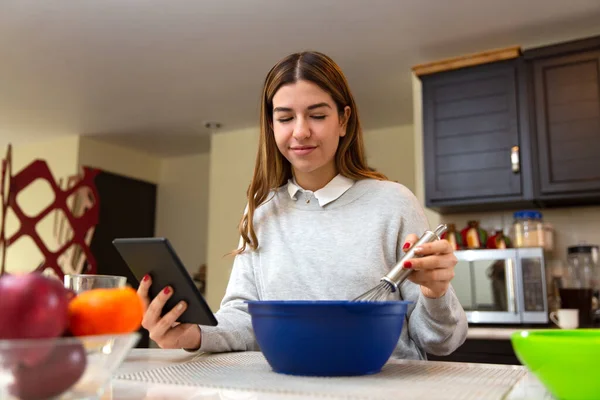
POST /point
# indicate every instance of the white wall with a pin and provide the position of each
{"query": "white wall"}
(182, 207)
(231, 167)
(119, 160)
(60, 155)
(390, 151)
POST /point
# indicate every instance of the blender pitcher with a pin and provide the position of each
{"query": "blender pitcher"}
(582, 282)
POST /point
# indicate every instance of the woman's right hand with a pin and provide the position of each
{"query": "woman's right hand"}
(165, 330)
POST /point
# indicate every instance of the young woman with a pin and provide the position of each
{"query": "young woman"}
(320, 224)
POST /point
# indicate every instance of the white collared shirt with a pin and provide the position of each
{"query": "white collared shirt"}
(330, 192)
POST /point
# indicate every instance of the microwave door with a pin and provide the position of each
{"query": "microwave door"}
(485, 286)
(532, 291)
(463, 285)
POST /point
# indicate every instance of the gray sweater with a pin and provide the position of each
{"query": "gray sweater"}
(335, 252)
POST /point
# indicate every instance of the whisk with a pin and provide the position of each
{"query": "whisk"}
(392, 281)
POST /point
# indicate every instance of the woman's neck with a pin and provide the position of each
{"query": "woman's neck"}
(315, 180)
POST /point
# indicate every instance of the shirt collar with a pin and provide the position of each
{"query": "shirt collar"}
(330, 192)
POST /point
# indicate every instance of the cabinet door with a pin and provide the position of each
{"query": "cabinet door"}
(567, 105)
(484, 351)
(472, 137)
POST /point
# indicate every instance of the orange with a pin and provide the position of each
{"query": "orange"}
(105, 311)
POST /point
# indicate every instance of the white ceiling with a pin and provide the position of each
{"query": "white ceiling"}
(148, 73)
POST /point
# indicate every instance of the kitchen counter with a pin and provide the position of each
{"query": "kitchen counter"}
(123, 386)
(493, 333)
(504, 333)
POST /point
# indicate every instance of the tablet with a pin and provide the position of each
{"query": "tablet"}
(157, 258)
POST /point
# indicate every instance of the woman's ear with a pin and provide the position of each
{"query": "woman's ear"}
(344, 120)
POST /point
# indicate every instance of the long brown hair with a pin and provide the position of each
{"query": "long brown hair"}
(272, 169)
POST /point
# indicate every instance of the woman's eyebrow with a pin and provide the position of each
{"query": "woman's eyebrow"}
(319, 105)
(311, 107)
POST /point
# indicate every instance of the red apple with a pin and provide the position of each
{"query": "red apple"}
(33, 306)
(28, 352)
(53, 376)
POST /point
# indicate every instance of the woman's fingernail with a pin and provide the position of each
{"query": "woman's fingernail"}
(167, 290)
(145, 278)
(180, 305)
(418, 249)
(406, 246)
(407, 264)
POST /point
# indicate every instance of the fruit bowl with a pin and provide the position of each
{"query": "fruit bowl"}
(565, 361)
(62, 367)
(327, 338)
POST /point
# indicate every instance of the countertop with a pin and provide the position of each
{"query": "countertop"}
(492, 333)
(527, 388)
(501, 333)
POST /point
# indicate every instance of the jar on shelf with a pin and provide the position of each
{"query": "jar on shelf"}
(498, 240)
(473, 236)
(528, 229)
(452, 236)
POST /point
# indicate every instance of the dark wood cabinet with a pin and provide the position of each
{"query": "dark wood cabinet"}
(514, 133)
(567, 118)
(476, 143)
(485, 351)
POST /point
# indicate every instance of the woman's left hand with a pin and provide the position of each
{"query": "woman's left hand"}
(434, 268)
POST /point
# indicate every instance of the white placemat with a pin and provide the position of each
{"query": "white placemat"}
(399, 379)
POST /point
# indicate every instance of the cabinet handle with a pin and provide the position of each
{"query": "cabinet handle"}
(514, 159)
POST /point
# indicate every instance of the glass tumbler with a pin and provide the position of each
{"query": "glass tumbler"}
(82, 282)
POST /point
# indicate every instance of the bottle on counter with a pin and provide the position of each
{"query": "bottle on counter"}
(473, 236)
(452, 236)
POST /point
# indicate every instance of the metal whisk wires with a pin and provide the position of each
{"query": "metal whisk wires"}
(378, 293)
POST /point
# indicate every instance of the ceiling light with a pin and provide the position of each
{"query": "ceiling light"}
(212, 125)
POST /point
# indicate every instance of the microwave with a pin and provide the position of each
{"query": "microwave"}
(504, 286)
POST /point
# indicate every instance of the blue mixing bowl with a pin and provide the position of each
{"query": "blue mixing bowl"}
(327, 338)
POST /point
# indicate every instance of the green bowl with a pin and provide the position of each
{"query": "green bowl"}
(566, 361)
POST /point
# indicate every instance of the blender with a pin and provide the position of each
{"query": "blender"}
(581, 285)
